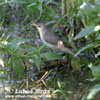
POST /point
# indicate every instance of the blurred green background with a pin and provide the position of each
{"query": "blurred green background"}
(24, 57)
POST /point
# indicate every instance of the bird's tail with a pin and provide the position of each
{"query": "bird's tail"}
(69, 51)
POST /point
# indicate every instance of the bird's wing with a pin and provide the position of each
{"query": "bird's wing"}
(55, 40)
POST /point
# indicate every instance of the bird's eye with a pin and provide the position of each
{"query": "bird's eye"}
(39, 26)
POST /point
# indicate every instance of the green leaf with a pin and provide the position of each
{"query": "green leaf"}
(32, 4)
(87, 47)
(17, 65)
(33, 50)
(96, 55)
(56, 91)
(38, 63)
(15, 1)
(1, 23)
(94, 91)
(41, 47)
(95, 71)
(51, 56)
(1, 60)
(38, 5)
(14, 44)
(76, 64)
(87, 8)
(59, 84)
(18, 41)
(41, 1)
(85, 32)
(84, 48)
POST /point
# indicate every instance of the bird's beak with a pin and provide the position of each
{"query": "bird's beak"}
(34, 24)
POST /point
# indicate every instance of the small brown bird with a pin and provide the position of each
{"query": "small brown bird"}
(51, 40)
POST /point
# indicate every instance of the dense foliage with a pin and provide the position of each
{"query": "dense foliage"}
(20, 45)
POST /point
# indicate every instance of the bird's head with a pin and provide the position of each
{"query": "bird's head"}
(39, 26)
